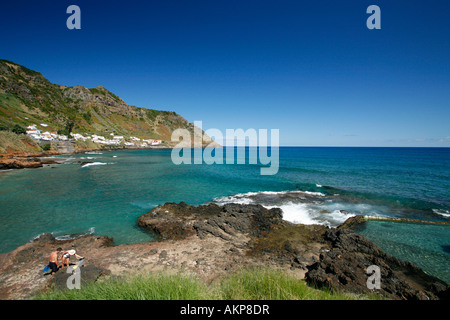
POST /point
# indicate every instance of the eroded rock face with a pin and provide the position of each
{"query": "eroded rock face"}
(344, 267)
(12, 161)
(178, 221)
(175, 221)
(6, 164)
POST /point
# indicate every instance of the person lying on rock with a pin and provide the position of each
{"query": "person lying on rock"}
(53, 261)
(66, 257)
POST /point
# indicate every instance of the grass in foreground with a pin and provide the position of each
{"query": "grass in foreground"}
(265, 284)
(255, 284)
(137, 287)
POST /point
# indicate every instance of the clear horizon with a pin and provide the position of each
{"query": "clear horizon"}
(312, 70)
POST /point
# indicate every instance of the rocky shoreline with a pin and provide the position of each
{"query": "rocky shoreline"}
(25, 160)
(25, 163)
(211, 241)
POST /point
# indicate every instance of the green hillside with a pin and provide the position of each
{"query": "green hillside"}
(27, 98)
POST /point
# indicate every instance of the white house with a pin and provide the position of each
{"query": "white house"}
(156, 142)
(47, 136)
(33, 131)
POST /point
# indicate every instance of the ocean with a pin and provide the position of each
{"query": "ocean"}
(324, 185)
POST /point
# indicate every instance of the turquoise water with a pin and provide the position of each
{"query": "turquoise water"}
(422, 244)
(106, 199)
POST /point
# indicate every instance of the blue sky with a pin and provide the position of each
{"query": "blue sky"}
(311, 69)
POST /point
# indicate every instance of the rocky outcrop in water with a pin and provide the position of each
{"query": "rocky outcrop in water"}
(178, 221)
(6, 164)
(24, 162)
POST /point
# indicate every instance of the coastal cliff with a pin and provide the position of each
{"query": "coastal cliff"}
(212, 241)
(27, 98)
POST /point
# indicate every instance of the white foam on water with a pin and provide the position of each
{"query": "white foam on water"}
(244, 198)
(298, 213)
(37, 237)
(303, 213)
(340, 216)
(233, 199)
(444, 213)
(320, 194)
(325, 212)
(94, 164)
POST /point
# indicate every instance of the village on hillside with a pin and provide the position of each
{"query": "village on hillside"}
(113, 140)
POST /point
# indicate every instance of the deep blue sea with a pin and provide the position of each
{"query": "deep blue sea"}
(323, 185)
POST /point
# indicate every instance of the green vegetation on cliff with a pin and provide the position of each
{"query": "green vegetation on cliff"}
(11, 142)
(27, 98)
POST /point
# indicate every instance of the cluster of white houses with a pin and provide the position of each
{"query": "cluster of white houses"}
(117, 140)
(36, 134)
(113, 140)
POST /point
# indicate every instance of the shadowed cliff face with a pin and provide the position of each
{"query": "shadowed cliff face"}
(212, 241)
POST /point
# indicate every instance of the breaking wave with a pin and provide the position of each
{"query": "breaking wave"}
(305, 207)
(94, 164)
(444, 213)
(266, 196)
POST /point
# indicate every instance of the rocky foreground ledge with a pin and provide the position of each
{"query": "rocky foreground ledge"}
(211, 241)
(22, 160)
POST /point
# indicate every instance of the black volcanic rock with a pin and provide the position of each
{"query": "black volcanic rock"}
(353, 222)
(178, 221)
(6, 164)
(344, 267)
(335, 258)
(88, 273)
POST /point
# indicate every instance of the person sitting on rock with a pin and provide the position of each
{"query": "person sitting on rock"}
(66, 257)
(53, 261)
